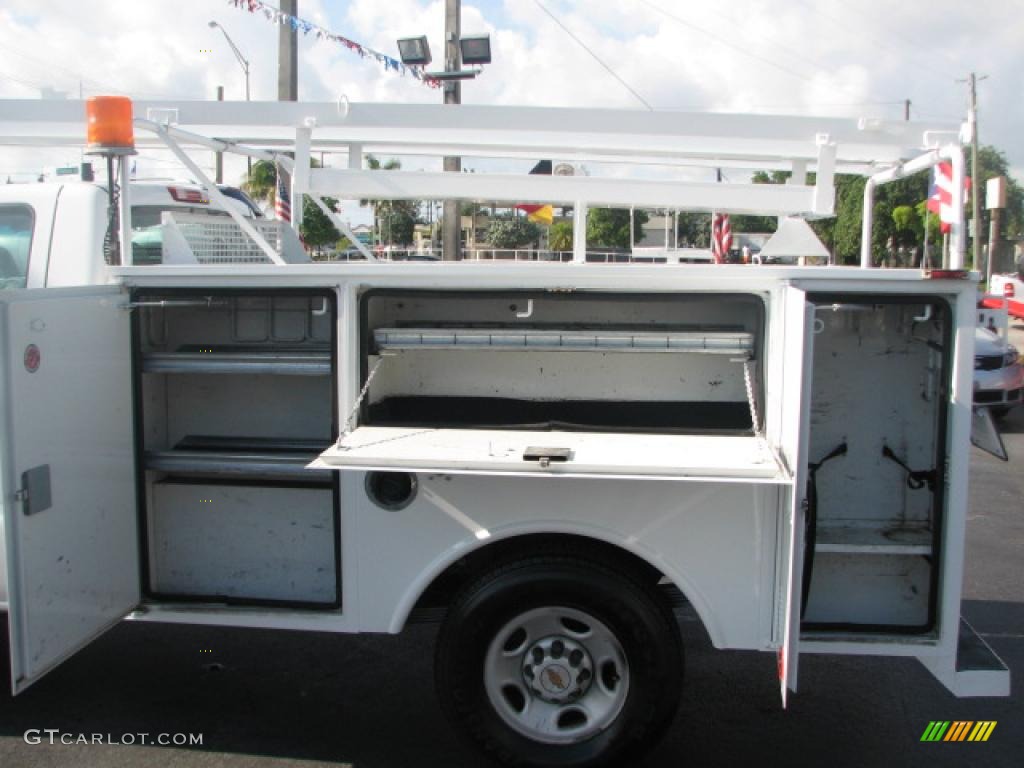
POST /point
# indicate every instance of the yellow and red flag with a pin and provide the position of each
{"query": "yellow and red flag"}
(538, 214)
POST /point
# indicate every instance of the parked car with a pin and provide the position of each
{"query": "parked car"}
(998, 373)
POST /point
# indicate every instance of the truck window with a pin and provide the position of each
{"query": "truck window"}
(16, 224)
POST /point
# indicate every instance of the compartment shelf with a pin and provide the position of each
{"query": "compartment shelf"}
(874, 540)
(293, 361)
(240, 457)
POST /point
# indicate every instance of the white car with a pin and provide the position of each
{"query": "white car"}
(998, 373)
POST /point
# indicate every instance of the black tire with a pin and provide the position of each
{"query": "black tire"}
(641, 625)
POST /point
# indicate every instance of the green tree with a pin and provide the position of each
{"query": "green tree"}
(316, 229)
(694, 229)
(396, 220)
(609, 227)
(993, 163)
(262, 182)
(512, 233)
(560, 236)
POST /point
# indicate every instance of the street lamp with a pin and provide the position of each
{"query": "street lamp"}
(244, 62)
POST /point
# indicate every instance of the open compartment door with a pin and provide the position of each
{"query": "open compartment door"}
(68, 472)
(798, 350)
(719, 458)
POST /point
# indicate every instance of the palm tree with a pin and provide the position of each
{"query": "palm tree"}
(374, 164)
(261, 183)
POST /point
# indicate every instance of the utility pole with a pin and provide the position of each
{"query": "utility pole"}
(288, 85)
(451, 233)
(972, 120)
(288, 56)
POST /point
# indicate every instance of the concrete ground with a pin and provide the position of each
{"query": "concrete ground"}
(289, 699)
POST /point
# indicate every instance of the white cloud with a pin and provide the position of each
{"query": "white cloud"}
(806, 56)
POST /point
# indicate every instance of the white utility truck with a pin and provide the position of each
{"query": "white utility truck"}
(548, 457)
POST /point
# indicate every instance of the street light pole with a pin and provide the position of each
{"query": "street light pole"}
(451, 234)
(244, 62)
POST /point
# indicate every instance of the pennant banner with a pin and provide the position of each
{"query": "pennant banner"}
(276, 16)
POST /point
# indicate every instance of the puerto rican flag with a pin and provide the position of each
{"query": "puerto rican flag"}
(283, 199)
(721, 237)
(940, 194)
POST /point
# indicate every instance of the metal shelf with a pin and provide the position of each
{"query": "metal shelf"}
(874, 540)
(237, 464)
(241, 360)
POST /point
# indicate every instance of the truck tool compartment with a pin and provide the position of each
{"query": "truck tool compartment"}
(606, 383)
(544, 361)
(877, 506)
(235, 392)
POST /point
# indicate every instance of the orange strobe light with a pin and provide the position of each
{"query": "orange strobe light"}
(109, 125)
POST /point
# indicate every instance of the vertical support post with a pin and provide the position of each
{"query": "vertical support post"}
(288, 85)
(957, 235)
(799, 172)
(355, 157)
(451, 235)
(824, 184)
(579, 232)
(219, 156)
(867, 224)
(288, 55)
(300, 175)
(995, 201)
(993, 243)
(125, 212)
(972, 118)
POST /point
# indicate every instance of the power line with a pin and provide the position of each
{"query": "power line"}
(728, 44)
(906, 50)
(596, 58)
(765, 38)
(85, 83)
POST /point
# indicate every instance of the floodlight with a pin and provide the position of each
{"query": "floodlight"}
(476, 49)
(415, 51)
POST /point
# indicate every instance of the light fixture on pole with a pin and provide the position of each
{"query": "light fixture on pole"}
(415, 51)
(459, 50)
(244, 62)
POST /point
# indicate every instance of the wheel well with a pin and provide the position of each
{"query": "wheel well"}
(433, 603)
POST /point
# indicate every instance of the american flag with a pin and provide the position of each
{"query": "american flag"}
(282, 199)
(721, 237)
(940, 194)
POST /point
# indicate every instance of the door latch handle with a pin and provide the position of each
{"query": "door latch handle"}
(34, 494)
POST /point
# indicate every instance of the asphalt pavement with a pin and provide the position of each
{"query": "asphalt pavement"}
(266, 698)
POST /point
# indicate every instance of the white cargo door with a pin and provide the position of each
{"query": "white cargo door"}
(713, 458)
(67, 472)
(798, 349)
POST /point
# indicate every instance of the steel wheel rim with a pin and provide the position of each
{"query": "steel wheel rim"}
(556, 675)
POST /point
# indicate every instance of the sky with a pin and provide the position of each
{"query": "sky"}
(829, 57)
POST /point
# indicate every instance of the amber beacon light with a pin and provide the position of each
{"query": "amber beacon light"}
(109, 125)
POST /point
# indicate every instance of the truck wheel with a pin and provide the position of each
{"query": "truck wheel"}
(559, 661)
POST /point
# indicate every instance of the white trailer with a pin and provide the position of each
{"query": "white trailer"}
(549, 457)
